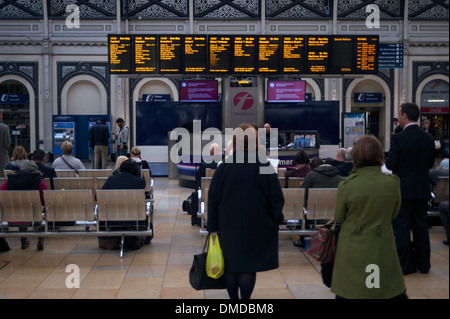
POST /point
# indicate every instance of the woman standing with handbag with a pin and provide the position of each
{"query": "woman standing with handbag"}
(245, 205)
(366, 264)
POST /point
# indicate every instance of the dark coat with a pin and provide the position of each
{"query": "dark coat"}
(411, 156)
(245, 207)
(99, 134)
(47, 171)
(124, 180)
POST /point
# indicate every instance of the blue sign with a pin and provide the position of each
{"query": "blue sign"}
(156, 98)
(368, 98)
(390, 55)
(6, 98)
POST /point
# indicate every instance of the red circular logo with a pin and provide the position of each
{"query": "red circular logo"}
(243, 100)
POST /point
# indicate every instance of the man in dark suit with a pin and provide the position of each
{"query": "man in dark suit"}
(99, 133)
(411, 156)
(397, 127)
(47, 172)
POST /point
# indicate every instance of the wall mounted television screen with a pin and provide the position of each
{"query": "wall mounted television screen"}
(286, 91)
(198, 91)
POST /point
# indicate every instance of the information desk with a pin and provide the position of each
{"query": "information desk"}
(286, 157)
(188, 164)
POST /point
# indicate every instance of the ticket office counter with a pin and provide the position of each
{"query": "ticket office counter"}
(308, 141)
(297, 140)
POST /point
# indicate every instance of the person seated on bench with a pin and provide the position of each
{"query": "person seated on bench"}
(27, 178)
(129, 178)
(442, 170)
(321, 176)
(119, 161)
(19, 154)
(67, 160)
(301, 167)
(47, 171)
(136, 156)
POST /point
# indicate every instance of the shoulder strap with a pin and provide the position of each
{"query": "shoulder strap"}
(70, 166)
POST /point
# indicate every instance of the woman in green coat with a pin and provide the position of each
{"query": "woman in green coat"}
(367, 264)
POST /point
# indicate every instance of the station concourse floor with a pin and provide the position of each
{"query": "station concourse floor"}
(161, 270)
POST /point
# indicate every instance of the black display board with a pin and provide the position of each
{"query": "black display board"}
(220, 51)
(170, 53)
(154, 120)
(322, 116)
(195, 52)
(293, 54)
(243, 54)
(120, 53)
(145, 54)
(269, 54)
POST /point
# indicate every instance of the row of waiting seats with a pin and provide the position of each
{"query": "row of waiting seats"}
(320, 205)
(81, 207)
(87, 179)
(319, 208)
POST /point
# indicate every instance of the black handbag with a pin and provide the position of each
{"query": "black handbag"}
(198, 278)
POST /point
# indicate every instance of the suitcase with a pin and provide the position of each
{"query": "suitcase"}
(110, 243)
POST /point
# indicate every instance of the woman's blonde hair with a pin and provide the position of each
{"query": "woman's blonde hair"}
(67, 148)
(19, 154)
(136, 151)
(120, 160)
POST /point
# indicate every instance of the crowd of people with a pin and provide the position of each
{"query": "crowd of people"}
(376, 211)
(30, 170)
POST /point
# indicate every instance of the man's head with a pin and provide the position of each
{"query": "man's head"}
(409, 112)
(340, 156)
(120, 122)
(444, 163)
(39, 156)
(395, 121)
(267, 127)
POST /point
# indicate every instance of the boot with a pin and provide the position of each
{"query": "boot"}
(25, 242)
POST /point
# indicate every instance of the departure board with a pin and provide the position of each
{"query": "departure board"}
(293, 54)
(245, 54)
(269, 54)
(366, 54)
(145, 54)
(120, 53)
(341, 50)
(318, 54)
(220, 51)
(195, 52)
(170, 53)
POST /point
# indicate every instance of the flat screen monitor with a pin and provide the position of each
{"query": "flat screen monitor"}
(198, 91)
(286, 91)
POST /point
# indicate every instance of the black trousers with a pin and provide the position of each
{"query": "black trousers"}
(413, 255)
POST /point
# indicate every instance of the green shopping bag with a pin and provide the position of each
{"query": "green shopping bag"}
(215, 265)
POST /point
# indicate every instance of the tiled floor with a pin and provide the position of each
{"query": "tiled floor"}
(160, 270)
